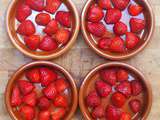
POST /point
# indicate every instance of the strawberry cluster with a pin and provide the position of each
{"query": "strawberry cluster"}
(48, 102)
(106, 13)
(114, 91)
(56, 31)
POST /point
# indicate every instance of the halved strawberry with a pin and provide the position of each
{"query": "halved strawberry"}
(135, 105)
(95, 13)
(98, 112)
(122, 75)
(37, 5)
(33, 75)
(104, 43)
(120, 4)
(137, 87)
(22, 12)
(125, 116)
(26, 28)
(137, 25)
(58, 114)
(105, 4)
(61, 85)
(44, 115)
(120, 28)
(43, 103)
(52, 5)
(43, 19)
(16, 97)
(60, 101)
(32, 42)
(135, 9)
(48, 44)
(30, 99)
(64, 18)
(27, 112)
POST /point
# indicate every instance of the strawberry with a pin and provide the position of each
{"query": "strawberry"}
(97, 29)
(98, 112)
(26, 28)
(44, 115)
(104, 43)
(136, 87)
(37, 5)
(137, 25)
(62, 36)
(51, 28)
(113, 15)
(120, 4)
(60, 101)
(135, 10)
(117, 45)
(118, 99)
(43, 19)
(105, 4)
(16, 97)
(50, 91)
(25, 86)
(124, 88)
(64, 18)
(131, 40)
(33, 75)
(125, 116)
(52, 5)
(48, 44)
(27, 112)
(93, 99)
(58, 114)
(23, 11)
(30, 99)
(109, 76)
(135, 105)
(120, 28)
(43, 103)
(122, 75)
(103, 88)
(95, 13)
(32, 42)
(61, 85)
(112, 113)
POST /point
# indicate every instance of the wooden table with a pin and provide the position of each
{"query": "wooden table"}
(80, 60)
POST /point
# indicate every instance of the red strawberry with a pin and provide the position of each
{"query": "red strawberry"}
(122, 75)
(105, 4)
(124, 88)
(97, 29)
(52, 5)
(33, 75)
(30, 99)
(135, 105)
(44, 115)
(47, 76)
(25, 86)
(27, 112)
(135, 10)
(98, 112)
(32, 42)
(118, 99)
(58, 114)
(137, 87)
(137, 25)
(60, 101)
(48, 44)
(113, 16)
(43, 19)
(104, 43)
(62, 36)
(120, 28)
(131, 40)
(64, 18)
(51, 28)
(23, 11)
(26, 28)
(95, 13)
(50, 91)
(16, 97)
(125, 116)
(120, 4)
(109, 76)
(112, 113)
(61, 85)
(103, 88)
(43, 103)
(93, 99)
(117, 45)
(37, 5)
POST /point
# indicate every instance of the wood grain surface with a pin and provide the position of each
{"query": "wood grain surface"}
(80, 60)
